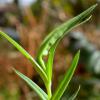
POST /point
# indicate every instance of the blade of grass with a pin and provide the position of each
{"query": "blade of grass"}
(68, 75)
(27, 55)
(34, 86)
(60, 32)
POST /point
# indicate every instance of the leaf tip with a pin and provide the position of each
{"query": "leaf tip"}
(13, 69)
(79, 87)
(95, 5)
(78, 53)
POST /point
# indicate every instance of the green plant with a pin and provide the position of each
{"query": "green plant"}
(48, 46)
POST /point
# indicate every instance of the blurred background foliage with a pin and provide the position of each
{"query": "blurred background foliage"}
(28, 22)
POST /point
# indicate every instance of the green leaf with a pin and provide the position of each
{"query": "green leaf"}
(68, 75)
(51, 56)
(75, 94)
(27, 55)
(49, 64)
(34, 86)
(60, 32)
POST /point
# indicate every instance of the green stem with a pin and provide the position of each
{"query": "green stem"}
(49, 92)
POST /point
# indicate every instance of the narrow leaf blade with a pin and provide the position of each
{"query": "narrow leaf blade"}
(27, 55)
(68, 75)
(50, 61)
(34, 86)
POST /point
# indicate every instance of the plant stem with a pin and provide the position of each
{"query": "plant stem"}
(48, 87)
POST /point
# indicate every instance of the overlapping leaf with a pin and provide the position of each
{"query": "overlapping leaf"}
(57, 34)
